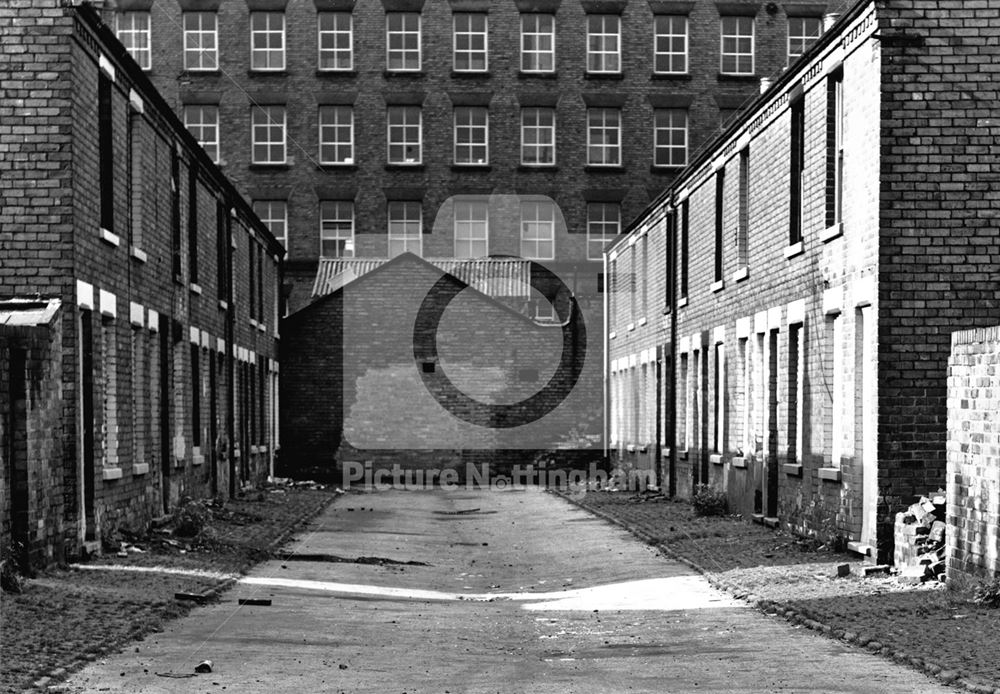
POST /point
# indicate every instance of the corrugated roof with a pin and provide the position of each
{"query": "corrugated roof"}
(495, 277)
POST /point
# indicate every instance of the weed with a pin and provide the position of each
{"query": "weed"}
(708, 501)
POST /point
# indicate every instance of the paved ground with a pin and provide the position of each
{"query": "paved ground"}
(507, 592)
(936, 629)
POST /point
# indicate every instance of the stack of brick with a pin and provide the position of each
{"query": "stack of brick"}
(920, 538)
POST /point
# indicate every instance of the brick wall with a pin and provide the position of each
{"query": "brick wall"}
(31, 442)
(939, 240)
(360, 395)
(973, 471)
(136, 267)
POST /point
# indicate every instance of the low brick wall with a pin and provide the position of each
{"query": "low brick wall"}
(974, 453)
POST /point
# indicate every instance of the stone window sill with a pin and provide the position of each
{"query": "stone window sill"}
(832, 232)
(140, 469)
(830, 474)
(715, 459)
(796, 249)
(111, 473)
(792, 469)
(740, 462)
(110, 238)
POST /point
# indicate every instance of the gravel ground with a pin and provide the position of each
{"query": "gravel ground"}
(929, 627)
(69, 616)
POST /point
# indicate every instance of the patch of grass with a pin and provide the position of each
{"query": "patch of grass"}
(708, 501)
(987, 594)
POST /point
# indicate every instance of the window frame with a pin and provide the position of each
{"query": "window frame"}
(405, 125)
(334, 33)
(142, 55)
(669, 37)
(537, 31)
(804, 39)
(661, 130)
(198, 128)
(336, 235)
(602, 61)
(538, 127)
(536, 221)
(269, 124)
(324, 126)
(199, 50)
(471, 222)
(604, 128)
(470, 130)
(470, 33)
(604, 222)
(266, 51)
(405, 52)
(269, 218)
(737, 37)
(407, 206)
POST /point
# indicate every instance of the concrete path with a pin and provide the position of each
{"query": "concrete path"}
(508, 592)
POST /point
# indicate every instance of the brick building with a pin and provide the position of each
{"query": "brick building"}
(786, 334)
(349, 122)
(138, 297)
(421, 379)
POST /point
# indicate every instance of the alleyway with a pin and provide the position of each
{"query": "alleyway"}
(475, 612)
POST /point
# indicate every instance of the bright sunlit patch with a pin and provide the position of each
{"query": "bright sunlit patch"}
(676, 593)
(194, 573)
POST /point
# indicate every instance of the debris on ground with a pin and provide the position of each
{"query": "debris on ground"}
(919, 534)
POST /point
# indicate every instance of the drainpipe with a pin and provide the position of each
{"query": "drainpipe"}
(672, 375)
(606, 360)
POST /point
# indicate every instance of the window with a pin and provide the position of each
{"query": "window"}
(797, 152)
(834, 148)
(684, 249)
(471, 42)
(538, 43)
(222, 249)
(109, 364)
(604, 136)
(795, 382)
(336, 41)
(670, 256)
(802, 32)
(604, 43)
(202, 121)
(135, 35)
(833, 377)
(192, 225)
(274, 215)
(175, 214)
(195, 396)
(404, 124)
(670, 134)
(201, 41)
(720, 197)
(402, 41)
(538, 136)
(743, 398)
(471, 135)
(472, 229)
(743, 223)
(538, 230)
(268, 125)
(405, 228)
(670, 44)
(603, 225)
(106, 141)
(737, 46)
(336, 228)
(267, 41)
(719, 433)
(644, 277)
(336, 135)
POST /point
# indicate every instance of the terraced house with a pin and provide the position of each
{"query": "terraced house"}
(779, 318)
(138, 298)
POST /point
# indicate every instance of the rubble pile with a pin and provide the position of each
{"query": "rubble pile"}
(920, 539)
